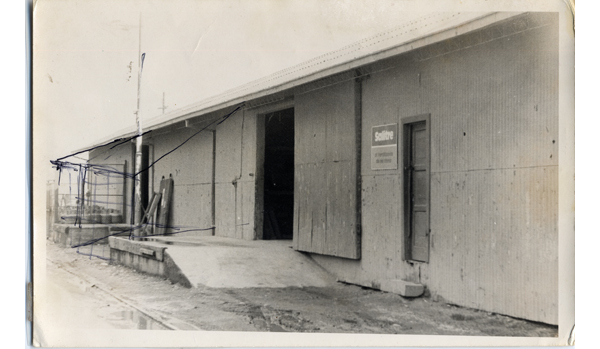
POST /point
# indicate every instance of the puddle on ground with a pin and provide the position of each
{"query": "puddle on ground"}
(141, 321)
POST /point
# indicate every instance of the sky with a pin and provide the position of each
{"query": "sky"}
(85, 53)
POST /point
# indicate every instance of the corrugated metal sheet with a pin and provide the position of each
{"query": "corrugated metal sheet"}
(494, 181)
(494, 240)
(191, 168)
(236, 147)
(503, 102)
(494, 174)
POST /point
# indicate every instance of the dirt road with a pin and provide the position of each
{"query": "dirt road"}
(120, 297)
(78, 303)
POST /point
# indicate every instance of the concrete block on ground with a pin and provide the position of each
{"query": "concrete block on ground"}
(140, 248)
(84, 234)
(61, 228)
(403, 288)
(59, 234)
(116, 227)
(138, 262)
(147, 257)
(116, 218)
(120, 230)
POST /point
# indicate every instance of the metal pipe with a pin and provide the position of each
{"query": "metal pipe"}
(137, 207)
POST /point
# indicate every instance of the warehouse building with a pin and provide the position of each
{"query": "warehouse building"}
(425, 154)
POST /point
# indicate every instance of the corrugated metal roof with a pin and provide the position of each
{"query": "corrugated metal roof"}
(425, 30)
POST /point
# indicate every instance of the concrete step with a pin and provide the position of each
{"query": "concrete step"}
(402, 287)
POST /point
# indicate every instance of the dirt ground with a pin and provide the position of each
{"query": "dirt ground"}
(342, 308)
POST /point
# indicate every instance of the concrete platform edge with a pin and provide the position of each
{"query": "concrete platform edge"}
(146, 257)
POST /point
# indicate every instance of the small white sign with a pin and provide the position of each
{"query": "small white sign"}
(384, 147)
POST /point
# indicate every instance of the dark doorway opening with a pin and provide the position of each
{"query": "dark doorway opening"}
(416, 187)
(144, 176)
(279, 175)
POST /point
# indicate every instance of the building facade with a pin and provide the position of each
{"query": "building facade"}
(431, 160)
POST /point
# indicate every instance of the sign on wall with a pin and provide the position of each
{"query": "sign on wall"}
(384, 147)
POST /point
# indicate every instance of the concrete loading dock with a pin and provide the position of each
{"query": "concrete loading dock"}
(215, 262)
(467, 204)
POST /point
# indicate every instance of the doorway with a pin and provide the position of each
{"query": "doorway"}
(416, 188)
(279, 175)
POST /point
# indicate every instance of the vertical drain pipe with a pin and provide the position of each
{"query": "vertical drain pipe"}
(235, 181)
(213, 189)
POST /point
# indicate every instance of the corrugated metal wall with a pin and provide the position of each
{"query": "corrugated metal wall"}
(494, 145)
(191, 168)
(235, 179)
(494, 177)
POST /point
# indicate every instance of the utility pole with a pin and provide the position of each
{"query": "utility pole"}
(138, 143)
(163, 105)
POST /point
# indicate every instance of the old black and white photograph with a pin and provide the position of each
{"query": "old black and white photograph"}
(302, 173)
